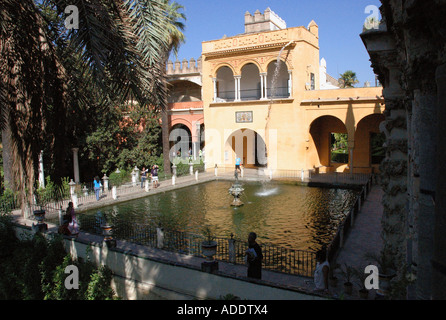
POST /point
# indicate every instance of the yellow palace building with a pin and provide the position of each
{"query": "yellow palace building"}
(266, 98)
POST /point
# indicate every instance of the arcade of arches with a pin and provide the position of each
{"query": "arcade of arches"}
(265, 98)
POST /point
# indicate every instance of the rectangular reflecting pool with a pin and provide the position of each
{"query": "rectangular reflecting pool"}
(282, 214)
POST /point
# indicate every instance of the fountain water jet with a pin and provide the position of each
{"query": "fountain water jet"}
(236, 191)
(276, 72)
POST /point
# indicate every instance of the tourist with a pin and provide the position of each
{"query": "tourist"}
(155, 181)
(321, 272)
(254, 257)
(97, 187)
(143, 176)
(73, 225)
(237, 163)
(63, 229)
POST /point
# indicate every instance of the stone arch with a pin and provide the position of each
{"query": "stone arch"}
(180, 138)
(225, 83)
(222, 65)
(286, 61)
(183, 91)
(249, 61)
(250, 87)
(280, 86)
(249, 145)
(320, 131)
(180, 121)
(365, 132)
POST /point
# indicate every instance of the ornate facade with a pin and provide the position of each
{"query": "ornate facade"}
(262, 99)
(408, 53)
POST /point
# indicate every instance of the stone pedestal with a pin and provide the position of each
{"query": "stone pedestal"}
(40, 227)
(110, 243)
(209, 266)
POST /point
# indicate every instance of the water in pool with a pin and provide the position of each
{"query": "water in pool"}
(282, 214)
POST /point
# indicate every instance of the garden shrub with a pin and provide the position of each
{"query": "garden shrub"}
(33, 268)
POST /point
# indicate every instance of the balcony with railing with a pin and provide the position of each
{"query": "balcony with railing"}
(252, 85)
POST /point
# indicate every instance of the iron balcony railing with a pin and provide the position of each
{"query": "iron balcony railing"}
(253, 94)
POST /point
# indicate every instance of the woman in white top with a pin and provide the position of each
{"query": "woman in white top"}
(321, 272)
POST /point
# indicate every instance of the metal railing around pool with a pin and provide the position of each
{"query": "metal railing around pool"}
(275, 258)
(280, 259)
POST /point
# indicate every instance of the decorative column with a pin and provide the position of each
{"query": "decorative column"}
(72, 185)
(394, 175)
(264, 92)
(41, 174)
(105, 180)
(424, 127)
(73, 194)
(237, 88)
(290, 83)
(135, 176)
(76, 165)
(195, 139)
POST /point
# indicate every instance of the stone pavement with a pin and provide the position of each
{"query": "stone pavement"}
(363, 237)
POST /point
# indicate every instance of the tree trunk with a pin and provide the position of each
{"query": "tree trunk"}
(7, 160)
(166, 145)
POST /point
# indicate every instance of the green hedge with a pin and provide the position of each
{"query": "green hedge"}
(34, 269)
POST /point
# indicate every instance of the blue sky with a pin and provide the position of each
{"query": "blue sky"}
(340, 23)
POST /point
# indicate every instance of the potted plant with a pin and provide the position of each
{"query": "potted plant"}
(107, 232)
(208, 245)
(332, 279)
(347, 272)
(209, 250)
(41, 200)
(386, 270)
(361, 276)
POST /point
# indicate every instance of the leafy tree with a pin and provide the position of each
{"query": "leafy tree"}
(125, 141)
(176, 37)
(50, 74)
(348, 79)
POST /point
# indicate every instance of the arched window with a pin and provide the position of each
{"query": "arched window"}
(279, 80)
(224, 85)
(181, 140)
(250, 83)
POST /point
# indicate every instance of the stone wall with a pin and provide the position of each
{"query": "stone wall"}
(184, 67)
(407, 53)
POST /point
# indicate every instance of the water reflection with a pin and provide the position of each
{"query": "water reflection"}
(283, 214)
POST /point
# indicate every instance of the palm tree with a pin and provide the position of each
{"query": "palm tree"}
(174, 28)
(348, 79)
(116, 51)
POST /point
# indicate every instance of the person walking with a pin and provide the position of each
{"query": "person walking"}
(97, 187)
(237, 163)
(254, 257)
(143, 176)
(155, 181)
